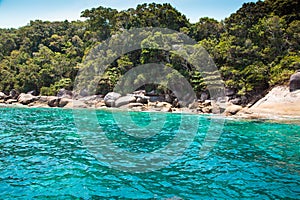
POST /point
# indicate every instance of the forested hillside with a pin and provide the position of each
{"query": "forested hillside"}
(255, 48)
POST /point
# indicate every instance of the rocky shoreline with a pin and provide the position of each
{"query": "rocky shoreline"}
(137, 101)
(279, 104)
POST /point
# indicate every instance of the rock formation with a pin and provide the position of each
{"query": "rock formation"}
(295, 81)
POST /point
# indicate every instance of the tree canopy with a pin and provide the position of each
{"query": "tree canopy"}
(255, 48)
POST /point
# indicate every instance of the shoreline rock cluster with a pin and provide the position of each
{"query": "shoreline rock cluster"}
(137, 101)
(280, 102)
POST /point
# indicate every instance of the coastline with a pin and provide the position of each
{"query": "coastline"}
(284, 119)
(278, 105)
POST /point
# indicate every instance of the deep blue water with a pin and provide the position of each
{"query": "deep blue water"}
(48, 154)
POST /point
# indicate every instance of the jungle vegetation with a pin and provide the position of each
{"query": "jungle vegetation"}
(255, 48)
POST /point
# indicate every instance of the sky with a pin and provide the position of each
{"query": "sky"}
(17, 13)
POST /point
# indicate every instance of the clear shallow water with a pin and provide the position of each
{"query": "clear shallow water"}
(42, 156)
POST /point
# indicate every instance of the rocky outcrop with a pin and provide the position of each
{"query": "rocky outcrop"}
(26, 99)
(295, 81)
(137, 101)
(278, 102)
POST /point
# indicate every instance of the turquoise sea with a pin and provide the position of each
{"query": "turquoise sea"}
(59, 154)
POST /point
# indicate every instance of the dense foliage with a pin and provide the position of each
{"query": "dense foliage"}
(255, 48)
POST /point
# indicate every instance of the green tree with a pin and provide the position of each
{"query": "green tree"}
(206, 28)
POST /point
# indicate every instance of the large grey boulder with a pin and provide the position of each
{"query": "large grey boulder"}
(124, 101)
(110, 98)
(26, 99)
(295, 81)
